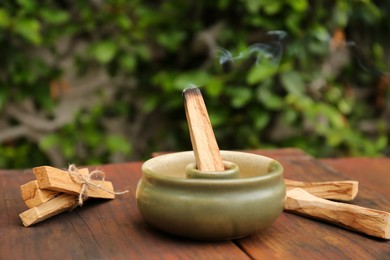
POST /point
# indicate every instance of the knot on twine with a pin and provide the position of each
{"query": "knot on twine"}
(86, 182)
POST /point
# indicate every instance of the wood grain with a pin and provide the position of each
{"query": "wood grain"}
(335, 190)
(296, 237)
(33, 196)
(114, 229)
(51, 178)
(48, 209)
(100, 229)
(204, 144)
(369, 221)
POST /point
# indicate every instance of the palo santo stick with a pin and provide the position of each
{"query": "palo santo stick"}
(48, 209)
(335, 190)
(34, 196)
(369, 221)
(58, 180)
(204, 144)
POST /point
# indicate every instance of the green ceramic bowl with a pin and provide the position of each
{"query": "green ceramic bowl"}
(172, 198)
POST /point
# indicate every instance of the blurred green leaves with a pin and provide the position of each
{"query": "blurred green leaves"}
(260, 73)
(104, 51)
(54, 17)
(28, 29)
(4, 18)
(117, 144)
(153, 50)
(293, 83)
(240, 96)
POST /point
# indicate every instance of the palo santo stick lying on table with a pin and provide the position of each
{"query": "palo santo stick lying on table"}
(34, 196)
(58, 180)
(48, 209)
(204, 144)
(369, 221)
(335, 190)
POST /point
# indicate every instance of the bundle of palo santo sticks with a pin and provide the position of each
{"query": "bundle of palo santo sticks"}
(55, 191)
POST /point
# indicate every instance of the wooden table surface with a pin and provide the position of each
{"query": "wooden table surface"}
(115, 229)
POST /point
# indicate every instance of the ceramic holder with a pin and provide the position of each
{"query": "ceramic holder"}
(176, 198)
(231, 172)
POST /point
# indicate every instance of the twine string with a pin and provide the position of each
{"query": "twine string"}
(89, 180)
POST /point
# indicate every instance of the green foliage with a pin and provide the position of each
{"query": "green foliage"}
(152, 50)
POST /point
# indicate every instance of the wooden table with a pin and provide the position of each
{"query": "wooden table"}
(115, 230)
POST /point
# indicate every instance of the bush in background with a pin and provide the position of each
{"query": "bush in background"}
(93, 82)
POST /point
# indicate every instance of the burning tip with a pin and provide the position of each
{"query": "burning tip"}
(193, 90)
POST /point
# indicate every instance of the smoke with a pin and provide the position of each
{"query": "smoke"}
(355, 53)
(270, 53)
(226, 59)
(363, 62)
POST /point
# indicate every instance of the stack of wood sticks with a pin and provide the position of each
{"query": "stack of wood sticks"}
(55, 191)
